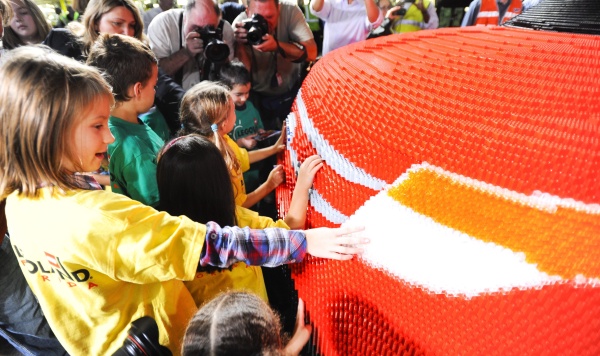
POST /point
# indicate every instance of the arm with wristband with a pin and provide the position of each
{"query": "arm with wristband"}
(293, 51)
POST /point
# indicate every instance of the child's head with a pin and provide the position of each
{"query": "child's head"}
(208, 110)
(234, 323)
(131, 68)
(112, 17)
(237, 78)
(203, 105)
(28, 25)
(193, 180)
(53, 118)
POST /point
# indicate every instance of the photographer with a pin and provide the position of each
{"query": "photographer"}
(176, 39)
(275, 60)
(411, 16)
(346, 21)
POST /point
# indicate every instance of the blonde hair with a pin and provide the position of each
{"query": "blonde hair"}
(6, 11)
(96, 9)
(42, 98)
(204, 104)
(80, 5)
(12, 40)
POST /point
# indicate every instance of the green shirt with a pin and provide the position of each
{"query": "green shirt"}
(132, 160)
(247, 121)
(157, 123)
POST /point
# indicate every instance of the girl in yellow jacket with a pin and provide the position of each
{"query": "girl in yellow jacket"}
(193, 180)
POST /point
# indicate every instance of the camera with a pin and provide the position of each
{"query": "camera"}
(142, 340)
(215, 50)
(257, 27)
(402, 11)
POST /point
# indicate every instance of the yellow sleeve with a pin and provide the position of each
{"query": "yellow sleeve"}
(251, 219)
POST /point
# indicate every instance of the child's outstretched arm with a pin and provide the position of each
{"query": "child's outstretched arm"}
(275, 178)
(296, 215)
(279, 146)
(274, 246)
(301, 333)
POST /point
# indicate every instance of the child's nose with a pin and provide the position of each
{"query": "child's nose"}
(108, 137)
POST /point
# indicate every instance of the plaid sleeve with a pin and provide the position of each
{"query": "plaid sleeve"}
(269, 247)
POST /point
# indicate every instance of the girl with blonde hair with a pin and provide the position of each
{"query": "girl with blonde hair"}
(207, 109)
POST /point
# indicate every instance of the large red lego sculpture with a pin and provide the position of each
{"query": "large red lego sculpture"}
(472, 156)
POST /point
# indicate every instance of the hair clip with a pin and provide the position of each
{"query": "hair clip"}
(172, 142)
(214, 127)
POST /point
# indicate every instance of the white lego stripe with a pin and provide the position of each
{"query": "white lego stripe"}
(335, 160)
(321, 205)
(418, 250)
(324, 208)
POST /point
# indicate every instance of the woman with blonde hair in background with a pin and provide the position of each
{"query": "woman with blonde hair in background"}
(28, 25)
(101, 16)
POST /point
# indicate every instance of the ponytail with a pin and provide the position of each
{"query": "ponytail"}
(233, 164)
(204, 105)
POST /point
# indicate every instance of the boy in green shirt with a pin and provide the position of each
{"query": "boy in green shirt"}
(248, 123)
(132, 72)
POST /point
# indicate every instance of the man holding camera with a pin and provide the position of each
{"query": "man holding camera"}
(179, 39)
(346, 21)
(411, 16)
(273, 41)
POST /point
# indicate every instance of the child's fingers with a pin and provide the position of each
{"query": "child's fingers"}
(338, 256)
(349, 230)
(300, 312)
(315, 162)
(312, 164)
(311, 159)
(352, 240)
(316, 168)
(346, 250)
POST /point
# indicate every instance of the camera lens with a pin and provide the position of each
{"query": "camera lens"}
(216, 51)
(255, 36)
(399, 12)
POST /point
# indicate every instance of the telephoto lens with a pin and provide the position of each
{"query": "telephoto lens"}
(142, 340)
(215, 50)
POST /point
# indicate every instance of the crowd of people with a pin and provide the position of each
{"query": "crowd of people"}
(135, 181)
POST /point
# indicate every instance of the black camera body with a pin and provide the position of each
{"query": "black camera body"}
(257, 27)
(142, 340)
(215, 50)
(402, 11)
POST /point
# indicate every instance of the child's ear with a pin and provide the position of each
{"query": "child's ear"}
(137, 89)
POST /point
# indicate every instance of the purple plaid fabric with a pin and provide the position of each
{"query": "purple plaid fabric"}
(269, 247)
(86, 182)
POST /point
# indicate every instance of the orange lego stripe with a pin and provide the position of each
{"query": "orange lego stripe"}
(566, 241)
